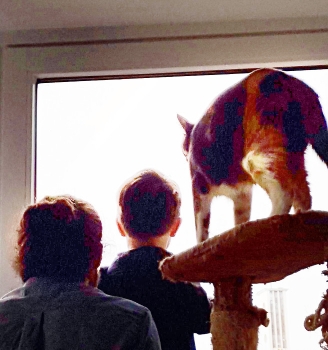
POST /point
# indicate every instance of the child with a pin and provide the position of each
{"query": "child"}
(59, 250)
(149, 209)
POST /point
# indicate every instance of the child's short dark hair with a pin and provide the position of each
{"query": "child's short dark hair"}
(58, 237)
(149, 204)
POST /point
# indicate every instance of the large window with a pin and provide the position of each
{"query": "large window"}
(93, 135)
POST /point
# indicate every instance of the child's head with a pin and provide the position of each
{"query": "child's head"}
(59, 237)
(149, 206)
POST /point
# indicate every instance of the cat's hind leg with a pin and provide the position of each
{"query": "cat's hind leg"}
(281, 199)
(302, 196)
(269, 170)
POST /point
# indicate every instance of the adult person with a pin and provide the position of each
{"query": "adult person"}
(59, 250)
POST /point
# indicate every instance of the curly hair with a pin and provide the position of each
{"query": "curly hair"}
(148, 205)
(58, 237)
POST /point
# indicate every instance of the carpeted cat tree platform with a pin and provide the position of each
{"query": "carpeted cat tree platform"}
(259, 251)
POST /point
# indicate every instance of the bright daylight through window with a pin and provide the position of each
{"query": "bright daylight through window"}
(94, 135)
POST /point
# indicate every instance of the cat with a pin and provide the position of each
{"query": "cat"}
(256, 132)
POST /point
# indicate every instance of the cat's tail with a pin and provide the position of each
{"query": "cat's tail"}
(315, 124)
(320, 145)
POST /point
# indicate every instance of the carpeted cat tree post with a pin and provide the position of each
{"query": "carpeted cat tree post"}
(260, 251)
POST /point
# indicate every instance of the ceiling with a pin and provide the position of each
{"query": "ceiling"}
(48, 14)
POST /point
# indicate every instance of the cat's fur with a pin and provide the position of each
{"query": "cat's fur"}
(255, 132)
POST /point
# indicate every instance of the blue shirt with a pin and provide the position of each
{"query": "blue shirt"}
(43, 315)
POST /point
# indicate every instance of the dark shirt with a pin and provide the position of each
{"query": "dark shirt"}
(43, 315)
(179, 309)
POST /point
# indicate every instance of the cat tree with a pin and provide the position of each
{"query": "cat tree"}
(259, 251)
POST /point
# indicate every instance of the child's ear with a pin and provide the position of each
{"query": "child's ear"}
(175, 227)
(92, 277)
(120, 228)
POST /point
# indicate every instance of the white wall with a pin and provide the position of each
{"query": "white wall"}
(27, 56)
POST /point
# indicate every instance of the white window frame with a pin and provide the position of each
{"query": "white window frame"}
(120, 52)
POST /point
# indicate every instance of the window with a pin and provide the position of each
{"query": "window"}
(93, 135)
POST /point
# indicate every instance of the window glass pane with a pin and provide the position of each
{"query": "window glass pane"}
(93, 135)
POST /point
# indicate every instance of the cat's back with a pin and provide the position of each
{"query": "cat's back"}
(229, 108)
(279, 108)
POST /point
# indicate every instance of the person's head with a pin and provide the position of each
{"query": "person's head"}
(59, 237)
(149, 208)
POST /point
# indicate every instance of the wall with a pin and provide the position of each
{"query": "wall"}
(29, 56)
